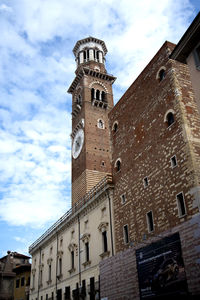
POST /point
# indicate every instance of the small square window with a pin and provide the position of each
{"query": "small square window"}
(150, 221)
(126, 235)
(173, 161)
(146, 181)
(123, 198)
(181, 205)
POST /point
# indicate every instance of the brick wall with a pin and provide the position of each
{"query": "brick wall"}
(145, 145)
(118, 274)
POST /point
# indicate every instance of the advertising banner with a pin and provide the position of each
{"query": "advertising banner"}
(161, 269)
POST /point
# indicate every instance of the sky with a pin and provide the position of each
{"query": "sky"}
(36, 68)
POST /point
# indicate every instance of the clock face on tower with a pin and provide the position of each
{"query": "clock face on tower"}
(78, 143)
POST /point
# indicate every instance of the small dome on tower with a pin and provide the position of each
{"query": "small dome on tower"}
(90, 49)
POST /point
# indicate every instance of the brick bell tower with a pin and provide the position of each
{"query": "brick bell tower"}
(92, 99)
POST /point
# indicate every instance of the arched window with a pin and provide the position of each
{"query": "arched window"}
(88, 54)
(115, 127)
(84, 55)
(100, 124)
(170, 119)
(103, 96)
(92, 94)
(97, 55)
(162, 74)
(97, 94)
(118, 165)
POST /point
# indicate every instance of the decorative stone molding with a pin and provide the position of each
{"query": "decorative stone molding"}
(49, 260)
(60, 276)
(49, 281)
(103, 226)
(99, 83)
(72, 270)
(72, 247)
(87, 263)
(60, 254)
(85, 238)
(105, 254)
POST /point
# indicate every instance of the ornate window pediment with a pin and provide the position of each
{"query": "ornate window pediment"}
(60, 253)
(103, 226)
(85, 238)
(49, 260)
(72, 247)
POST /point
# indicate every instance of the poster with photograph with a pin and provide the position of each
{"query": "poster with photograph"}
(161, 269)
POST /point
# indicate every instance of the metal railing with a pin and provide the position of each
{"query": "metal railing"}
(92, 194)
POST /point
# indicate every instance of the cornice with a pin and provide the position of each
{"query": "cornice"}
(79, 208)
(92, 73)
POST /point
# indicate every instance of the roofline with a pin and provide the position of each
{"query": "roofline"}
(89, 39)
(105, 184)
(187, 42)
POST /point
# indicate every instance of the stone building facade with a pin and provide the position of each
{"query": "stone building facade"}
(8, 264)
(134, 227)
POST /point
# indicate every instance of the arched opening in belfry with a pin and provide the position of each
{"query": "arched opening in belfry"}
(103, 96)
(97, 94)
(92, 94)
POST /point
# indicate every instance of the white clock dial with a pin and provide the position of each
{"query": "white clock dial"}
(78, 143)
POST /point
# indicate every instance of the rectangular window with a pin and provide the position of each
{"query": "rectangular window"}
(67, 293)
(72, 259)
(145, 181)
(123, 198)
(22, 281)
(105, 243)
(181, 205)
(52, 296)
(60, 265)
(59, 294)
(49, 272)
(83, 288)
(17, 283)
(126, 235)
(150, 221)
(87, 256)
(92, 289)
(173, 161)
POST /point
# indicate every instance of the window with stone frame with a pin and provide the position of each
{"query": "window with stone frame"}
(173, 161)
(87, 252)
(181, 204)
(126, 234)
(150, 223)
